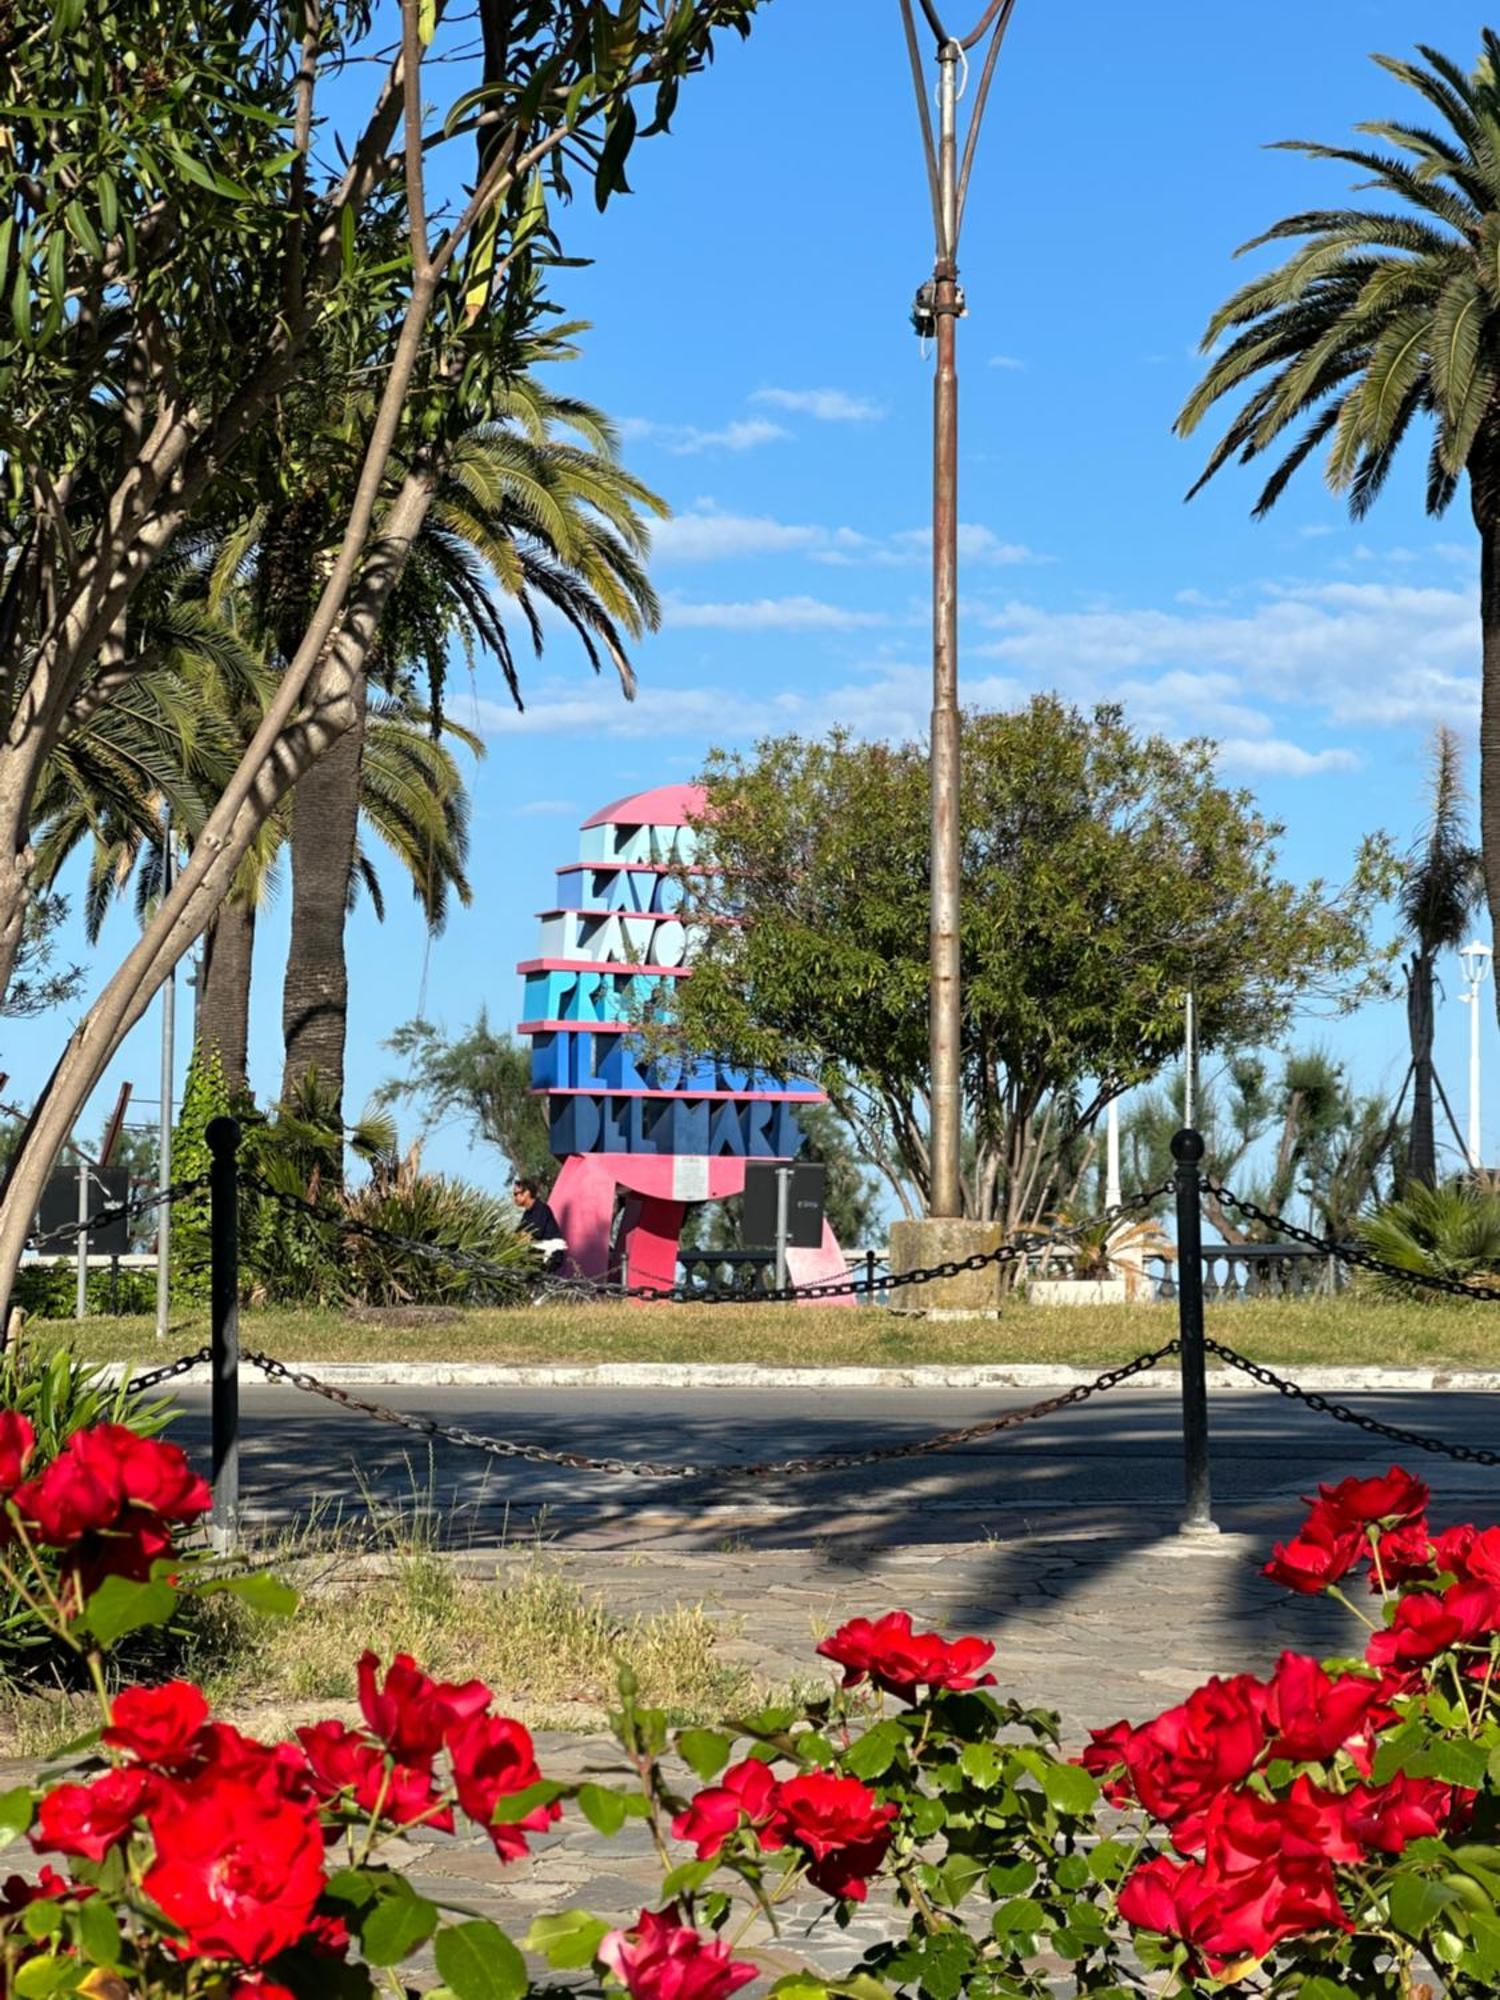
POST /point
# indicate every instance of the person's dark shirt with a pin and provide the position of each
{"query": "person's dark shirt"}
(538, 1221)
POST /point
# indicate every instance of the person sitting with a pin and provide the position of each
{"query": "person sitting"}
(539, 1223)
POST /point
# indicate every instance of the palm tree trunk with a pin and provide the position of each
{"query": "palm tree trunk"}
(1421, 1145)
(315, 999)
(1485, 497)
(222, 1024)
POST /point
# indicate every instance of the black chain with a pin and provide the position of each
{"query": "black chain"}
(178, 1367)
(1466, 1454)
(1347, 1253)
(527, 1284)
(124, 1211)
(834, 1461)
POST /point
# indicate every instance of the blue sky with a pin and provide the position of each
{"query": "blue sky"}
(749, 329)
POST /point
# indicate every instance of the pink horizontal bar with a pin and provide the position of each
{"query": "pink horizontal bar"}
(617, 965)
(576, 1027)
(641, 867)
(699, 1096)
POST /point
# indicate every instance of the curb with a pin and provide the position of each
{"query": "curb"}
(745, 1375)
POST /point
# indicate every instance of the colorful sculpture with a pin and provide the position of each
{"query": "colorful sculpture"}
(625, 1124)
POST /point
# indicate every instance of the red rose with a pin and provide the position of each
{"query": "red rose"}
(1230, 1919)
(1426, 1625)
(900, 1661)
(839, 1824)
(747, 1795)
(1105, 1759)
(1367, 1503)
(237, 1870)
(256, 1988)
(157, 1725)
(1387, 1817)
(155, 1475)
(412, 1714)
(275, 1769)
(1403, 1555)
(1323, 1551)
(344, 1760)
(662, 1959)
(1243, 1830)
(91, 1819)
(493, 1757)
(1179, 1764)
(1452, 1548)
(17, 1894)
(78, 1494)
(17, 1442)
(1313, 1716)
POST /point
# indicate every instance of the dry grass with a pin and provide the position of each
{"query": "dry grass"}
(550, 1650)
(1353, 1329)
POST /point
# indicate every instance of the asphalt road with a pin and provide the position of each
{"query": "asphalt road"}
(1111, 1467)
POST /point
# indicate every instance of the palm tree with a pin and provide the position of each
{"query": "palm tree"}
(1441, 886)
(525, 517)
(1380, 317)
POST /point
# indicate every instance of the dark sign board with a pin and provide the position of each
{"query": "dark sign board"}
(109, 1188)
(809, 1185)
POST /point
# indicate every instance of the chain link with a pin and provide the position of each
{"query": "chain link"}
(125, 1211)
(528, 1284)
(1346, 1253)
(645, 1468)
(180, 1366)
(1466, 1454)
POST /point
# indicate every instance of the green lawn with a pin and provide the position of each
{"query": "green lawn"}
(1350, 1330)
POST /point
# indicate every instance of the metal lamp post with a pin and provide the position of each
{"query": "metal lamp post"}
(1475, 959)
(939, 307)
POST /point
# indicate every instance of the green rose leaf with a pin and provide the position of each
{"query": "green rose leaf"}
(15, 1814)
(400, 1921)
(1069, 1788)
(477, 1961)
(704, 1751)
(263, 1593)
(604, 1810)
(875, 1752)
(119, 1606)
(98, 1932)
(513, 1806)
(568, 1941)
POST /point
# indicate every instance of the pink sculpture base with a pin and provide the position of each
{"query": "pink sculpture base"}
(656, 1192)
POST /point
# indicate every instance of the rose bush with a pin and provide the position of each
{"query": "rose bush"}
(1328, 1830)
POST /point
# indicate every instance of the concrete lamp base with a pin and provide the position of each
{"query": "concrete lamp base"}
(916, 1246)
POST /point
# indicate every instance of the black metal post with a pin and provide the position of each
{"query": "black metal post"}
(223, 1137)
(869, 1274)
(1187, 1151)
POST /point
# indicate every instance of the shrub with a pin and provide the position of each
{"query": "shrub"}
(49, 1290)
(1452, 1231)
(428, 1208)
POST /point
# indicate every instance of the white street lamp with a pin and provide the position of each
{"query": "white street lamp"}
(1475, 959)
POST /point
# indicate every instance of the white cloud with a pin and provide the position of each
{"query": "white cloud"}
(538, 808)
(1271, 757)
(908, 546)
(827, 406)
(703, 534)
(769, 614)
(1006, 361)
(687, 440)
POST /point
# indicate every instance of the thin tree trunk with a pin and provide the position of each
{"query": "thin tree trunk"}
(315, 998)
(1421, 1145)
(223, 1020)
(1485, 497)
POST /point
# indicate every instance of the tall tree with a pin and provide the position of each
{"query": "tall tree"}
(480, 1076)
(176, 242)
(1106, 874)
(1380, 319)
(1441, 887)
(534, 514)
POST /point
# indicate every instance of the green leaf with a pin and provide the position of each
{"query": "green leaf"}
(609, 177)
(568, 1941)
(16, 1807)
(119, 1606)
(686, 1877)
(399, 1923)
(357, 1886)
(704, 1751)
(261, 1591)
(426, 22)
(41, 1976)
(42, 1919)
(98, 1932)
(1414, 1902)
(1319, 1988)
(479, 1962)
(1069, 1789)
(604, 1810)
(1021, 1913)
(984, 1763)
(513, 1806)
(876, 1750)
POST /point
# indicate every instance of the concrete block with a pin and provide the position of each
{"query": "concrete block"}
(918, 1245)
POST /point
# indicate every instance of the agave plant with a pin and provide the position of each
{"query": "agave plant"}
(1451, 1231)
